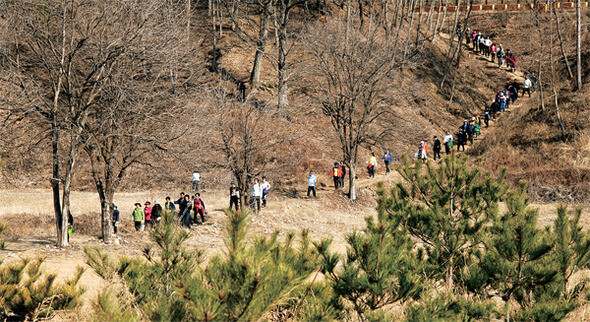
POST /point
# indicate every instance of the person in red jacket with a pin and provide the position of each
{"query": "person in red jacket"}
(147, 211)
(199, 208)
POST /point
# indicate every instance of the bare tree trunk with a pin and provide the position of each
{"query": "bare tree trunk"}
(55, 183)
(541, 52)
(67, 186)
(352, 180)
(553, 79)
(214, 34)
(429, 18)
(282, 59)
(261, 45)
(579, 44)
(411, 9)
(437, 24)
(565, 60)
(188, 19)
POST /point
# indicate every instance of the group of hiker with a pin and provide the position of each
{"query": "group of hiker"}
(483, 45)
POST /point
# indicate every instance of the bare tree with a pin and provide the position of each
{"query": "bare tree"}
(579, 44)
(249, 140)
(62, 60)
(352, 77)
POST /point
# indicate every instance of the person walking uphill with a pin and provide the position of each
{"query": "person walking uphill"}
(335, 174)
(311, 184)
(527, 86)
(387, 160)
(342, 174)
(436, 148)
(138, 216)
(234, 196)
(256, 195)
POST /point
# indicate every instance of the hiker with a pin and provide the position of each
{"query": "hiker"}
(241, 92)
(185, 213)
(436, 148)
(147, 212)
(138, 217)
(527, 86)
(477, 42)
(473, 37)
(422, 153)
(169, 206)
(342, 173)
(234, 196)
(115, 218)
(459, 32)
(265, 188)
(502, 100)
(487, 118)
(501, 56)
(510, 61)
(180, 203)
(156, 213)
(372, 165)
(71, 228)
(533, 81)
(476, 130)
(387, 160)
(493, 50)
(467, 36)
(311, 184)
(196, 180)
(256, 194)
(448, 141)
(461, 140)
(335, 174)
(199, 209)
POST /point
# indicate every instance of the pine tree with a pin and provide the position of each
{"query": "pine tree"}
(447, 208)
(246, 282)
(572, 245)
(518, 261)
(380, 268)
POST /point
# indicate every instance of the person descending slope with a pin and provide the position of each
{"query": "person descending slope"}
(138, 217)
(234, 196)
(387, 160)
(448, 140)
(311, 184)
(372, 165)
(116, 215)
(265, 189)
(342, 173)
(199, 209)
(436, 148)
(527, 86)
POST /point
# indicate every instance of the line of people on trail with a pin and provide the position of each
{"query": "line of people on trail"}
(471, 128)
(483, 45)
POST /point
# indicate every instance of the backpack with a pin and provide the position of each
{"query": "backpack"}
(336, 171)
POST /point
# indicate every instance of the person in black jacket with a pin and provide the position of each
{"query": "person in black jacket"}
(436, 148)
(156, 213)
(115, 218)
(234, 196)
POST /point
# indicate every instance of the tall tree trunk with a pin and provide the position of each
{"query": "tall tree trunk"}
(555, 95)
(55, 182)
(106, 213)
(579, 44)
(67, 186)
(563, 54)
(188, 19)
(260, 45)
(282, 59)
(352, 181)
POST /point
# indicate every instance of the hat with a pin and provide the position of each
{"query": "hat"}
(468, 28)
(493, 43)
(233, 182)
(156, 202)
(114, 205)
(138, 204)
(147, 203)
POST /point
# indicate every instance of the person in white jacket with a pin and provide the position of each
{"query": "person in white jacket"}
(196, 180)
(311, 184)
(256, 196)
(527, 86)
(448, 142)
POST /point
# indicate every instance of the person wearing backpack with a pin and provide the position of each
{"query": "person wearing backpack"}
(387, 160)
(436, 148)
(448, 141)
(487, 118)
(335, 174)
(342, 174)
(234, 196)
(372, 165)
(199, 209)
